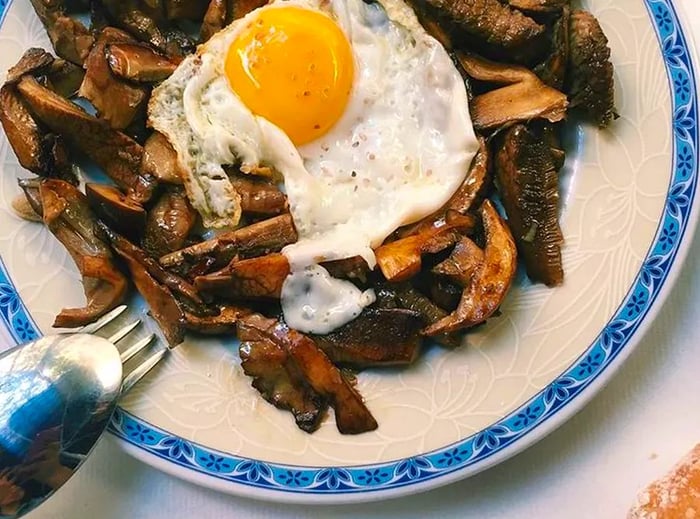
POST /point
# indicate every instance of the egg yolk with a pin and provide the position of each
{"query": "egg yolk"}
(294, 67)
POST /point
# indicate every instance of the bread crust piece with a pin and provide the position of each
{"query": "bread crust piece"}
(675, 496)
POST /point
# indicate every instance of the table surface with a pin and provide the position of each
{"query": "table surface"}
(592, 467)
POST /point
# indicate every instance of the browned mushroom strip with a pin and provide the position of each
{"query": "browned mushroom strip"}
(351, 415)
(137, 62)
(34, 61)
(349, 268)
(255, 278)
(223, 322)
(38, 151)
(276, 376)
(401, 259)
(553, 70)
(121, 213)
(172, 281)
(528, 184)
(67, 215)
(70, 38)
(116, 101)
(378, 337)
(539, 6)
(160, 159)
(214, 19)
(23, 132)
(259, 238)
(259, 197)
(163, 306)
(490, 284)
(65, 77)
(410, 298)
(590, 77)
(169, 223)
(489, 22)
(131, 16)
(117, 154)
(462, 263)
(524, 97)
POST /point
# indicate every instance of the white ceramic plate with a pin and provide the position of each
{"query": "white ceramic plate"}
(629, 212)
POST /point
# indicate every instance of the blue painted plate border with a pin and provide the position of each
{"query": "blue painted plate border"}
(493, 441)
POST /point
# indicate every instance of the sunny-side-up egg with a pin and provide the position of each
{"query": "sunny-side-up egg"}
(361, 112)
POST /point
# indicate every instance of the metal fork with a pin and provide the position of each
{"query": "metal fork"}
(57, 395)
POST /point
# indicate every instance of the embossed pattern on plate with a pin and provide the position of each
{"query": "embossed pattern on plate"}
(630, 197)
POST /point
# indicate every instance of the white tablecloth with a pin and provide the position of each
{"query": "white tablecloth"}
(592, 467)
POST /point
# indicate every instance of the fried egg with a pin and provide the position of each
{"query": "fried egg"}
(361, 112)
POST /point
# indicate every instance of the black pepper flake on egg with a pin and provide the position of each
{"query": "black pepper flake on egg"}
(353, 174)
(317, 126)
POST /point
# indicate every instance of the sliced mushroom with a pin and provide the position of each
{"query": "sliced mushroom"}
(214, 19)
(70, 38)
(169, 223)
(553, 70)
(488, 23)
(351, 414)
(348, 268)
(64, 77)
(462, 263)
(113, 207)
(34, 61)
(443, 292)
(401, 259)
(160, 159)
(528, 183)
(490, 283)
(163, 305)
(253, 240)
(591, 85)
(116, 101)
(259, 196)
(138, 62)
(223, 322)
(377, 337)
(525, 96)
(179, 286)
(117, 154)
(67, 214)
(23, 132)
(254, 278)
(147, 22)
(410, 298)
(38, 151)
(276, 376)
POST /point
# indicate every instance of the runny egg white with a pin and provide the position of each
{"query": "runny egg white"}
(362, 113)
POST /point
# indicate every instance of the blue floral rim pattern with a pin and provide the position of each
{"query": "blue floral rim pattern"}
(615, 336)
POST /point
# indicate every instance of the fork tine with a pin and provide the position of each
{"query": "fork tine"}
(136, 347)
(102, 321)
(122, 332)
(137, 374)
